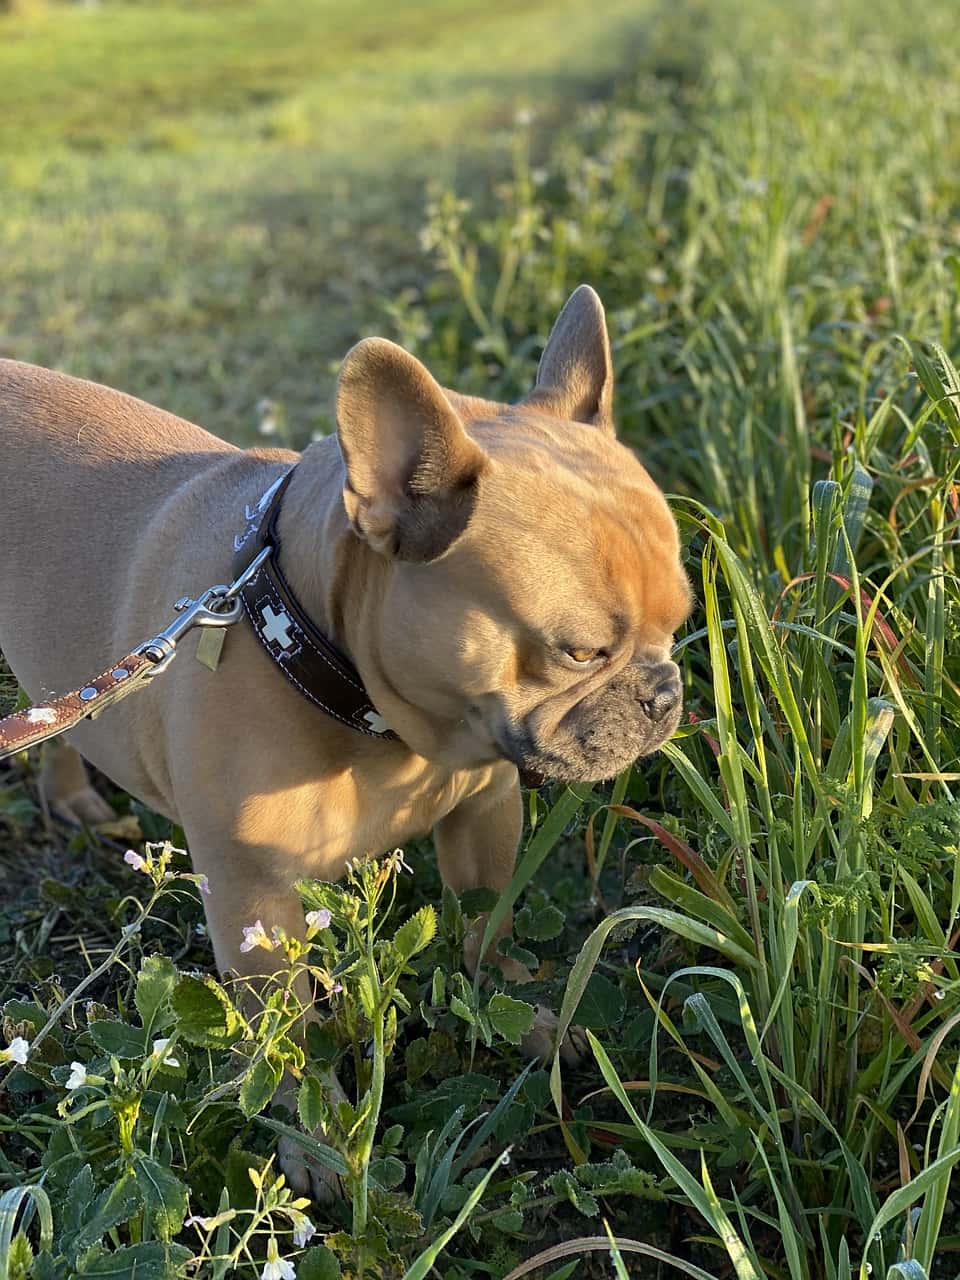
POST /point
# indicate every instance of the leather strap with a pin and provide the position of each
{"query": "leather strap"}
(312, 664)
(44, 720)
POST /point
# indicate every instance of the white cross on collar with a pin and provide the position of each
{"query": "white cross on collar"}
(276, 627)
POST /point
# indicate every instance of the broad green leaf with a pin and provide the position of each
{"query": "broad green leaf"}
(155, 983)
(510, 1018)
(259, 1086)
(205, 1014)
(164, 1196)
(118, 1039)
(416, 933)
(114, 1205)
(311, 1102)
(318, 1263)
(602, 1005)
(152, 1261)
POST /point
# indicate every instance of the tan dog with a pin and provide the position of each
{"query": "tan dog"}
(505, 579)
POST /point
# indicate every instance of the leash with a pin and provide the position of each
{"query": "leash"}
(218, 606)
(312, 664)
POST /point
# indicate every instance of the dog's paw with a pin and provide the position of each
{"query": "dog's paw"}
(84, 807)
(305, 1175)
(540, 1040)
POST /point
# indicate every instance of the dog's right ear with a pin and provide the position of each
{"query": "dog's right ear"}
(412, 470)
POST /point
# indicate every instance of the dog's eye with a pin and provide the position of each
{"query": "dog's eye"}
(583, 656)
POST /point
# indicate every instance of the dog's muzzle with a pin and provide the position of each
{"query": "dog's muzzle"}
(631, 716)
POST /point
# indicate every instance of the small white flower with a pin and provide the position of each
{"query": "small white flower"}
(524, 117)
(275, 1267)
(318, 919)
(18, 1050)
(78, 1076)
(134, 860)
(303, 1229)
(203, 1223)
(203, 884)
(160, 1051)
(254, 935)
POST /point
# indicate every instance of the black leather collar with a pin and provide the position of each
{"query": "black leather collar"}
(306, 657)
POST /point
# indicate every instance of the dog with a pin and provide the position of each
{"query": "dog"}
(499, 583)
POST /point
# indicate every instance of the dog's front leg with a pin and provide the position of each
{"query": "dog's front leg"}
(476, 847)
(245, 890)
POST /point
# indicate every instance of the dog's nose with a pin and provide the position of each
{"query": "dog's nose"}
(665, 695)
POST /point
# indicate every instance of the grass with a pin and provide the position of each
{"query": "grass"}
(758, 927)
(206, 204)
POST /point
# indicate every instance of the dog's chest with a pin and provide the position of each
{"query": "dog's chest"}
(351, 815)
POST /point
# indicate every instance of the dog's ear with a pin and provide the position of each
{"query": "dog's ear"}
(412, 470)
(575, 377)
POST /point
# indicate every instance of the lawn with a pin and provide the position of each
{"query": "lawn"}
(207, 203)
(757, 929)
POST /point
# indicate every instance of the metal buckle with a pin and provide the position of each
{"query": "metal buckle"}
(217, 607)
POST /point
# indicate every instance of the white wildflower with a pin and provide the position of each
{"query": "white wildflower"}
(78, 1076)
(18, 1050)
(275, 1267)
(160, 1051)
(318, 919)
(254, 935)
(303, 1229)
(135, 860)
(204, 1224)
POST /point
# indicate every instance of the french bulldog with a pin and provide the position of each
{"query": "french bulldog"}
(504, 579)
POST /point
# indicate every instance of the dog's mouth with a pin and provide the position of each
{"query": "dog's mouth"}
(585, 751)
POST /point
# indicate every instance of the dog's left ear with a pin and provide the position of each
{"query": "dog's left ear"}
(575, 377)
(412, 470)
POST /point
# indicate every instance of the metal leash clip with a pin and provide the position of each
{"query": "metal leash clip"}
(217, 607)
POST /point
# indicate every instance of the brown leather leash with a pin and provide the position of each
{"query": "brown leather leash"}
(306, 657)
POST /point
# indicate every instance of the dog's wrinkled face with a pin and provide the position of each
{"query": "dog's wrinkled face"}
(536, 583)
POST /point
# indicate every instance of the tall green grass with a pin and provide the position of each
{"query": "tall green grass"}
(773, 227)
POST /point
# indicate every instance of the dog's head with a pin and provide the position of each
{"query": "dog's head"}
(535, 582)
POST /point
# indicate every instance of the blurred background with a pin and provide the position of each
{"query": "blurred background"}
(204, 203)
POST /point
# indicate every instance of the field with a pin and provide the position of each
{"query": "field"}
(757, 928)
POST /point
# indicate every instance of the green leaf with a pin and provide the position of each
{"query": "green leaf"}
(388, 1171)
(153, 1261)
(78, 1201)
(540, 924)
(259, 1086)
(319, 1150)
(114, 1205)
(318, 1263)
(602, 1005)
(118, 1038)
(164, 1196)
(477, 902)
(416, 933)
(155, 983)
(511, 1018)
(205, 1014)
(564, 1184)
(311, 1103)
(462, 1010)
(509, 1220)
